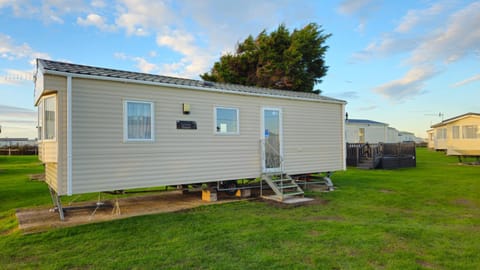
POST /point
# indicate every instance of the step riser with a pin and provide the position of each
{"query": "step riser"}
(283, 185)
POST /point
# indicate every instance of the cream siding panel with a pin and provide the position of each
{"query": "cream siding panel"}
(51, 175)
(54, 83)
(49, 151)
(312, 137)
(55, 151)
(103, 161)
(463, 146)
(40, 151)
(62, 139)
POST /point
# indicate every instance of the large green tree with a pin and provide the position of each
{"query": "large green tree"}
(280, 59)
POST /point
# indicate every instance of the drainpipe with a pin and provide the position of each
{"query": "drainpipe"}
(69, 135)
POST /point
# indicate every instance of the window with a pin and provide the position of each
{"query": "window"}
(455, 132)
(469, 132)
(361, 135)
(441, 133)
(226, 120)
(49, 118)
(138, 121)
(40, 120)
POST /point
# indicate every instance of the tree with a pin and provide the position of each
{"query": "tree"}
(281, 60)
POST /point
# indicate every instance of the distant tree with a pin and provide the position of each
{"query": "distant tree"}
(281, 60)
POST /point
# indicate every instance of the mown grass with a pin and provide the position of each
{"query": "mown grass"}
(418, 218)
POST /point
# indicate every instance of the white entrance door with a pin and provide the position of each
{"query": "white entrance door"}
(272, 139)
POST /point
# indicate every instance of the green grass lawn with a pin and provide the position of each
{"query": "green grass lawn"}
(418, 218)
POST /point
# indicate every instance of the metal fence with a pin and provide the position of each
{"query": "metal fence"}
(19, 150)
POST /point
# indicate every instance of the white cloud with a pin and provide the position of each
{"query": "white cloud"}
(349, 95)
(414, 17)
(96, 20)
(212, 27)
(17, 122)
(141, 63)
(194, 61)
(120, 55)
(411, 84)
(48, 11)
(467, 81)
(145, 66)
(367, 108)
(11, 51)
(431, 47)
(98, 4)
(139, 17)
(386, 45)
(460, 37)
(359, 8)
(350, 7)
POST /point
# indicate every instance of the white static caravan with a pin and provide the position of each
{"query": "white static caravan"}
(365, 131)
(103, 130)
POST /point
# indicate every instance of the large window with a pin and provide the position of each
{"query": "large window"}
(138, 121)
(226, 120)
(456, 132)
(49, 118)
(441, 133)
(470, 132)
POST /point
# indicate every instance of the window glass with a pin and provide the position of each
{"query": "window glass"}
(469, 132)
(40, 120)
(49, 118)
(226, 120)
(455, 132)
(441, 133)
(139, 120)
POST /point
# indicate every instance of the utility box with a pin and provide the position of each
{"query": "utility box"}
(243, 193)
(209, 196)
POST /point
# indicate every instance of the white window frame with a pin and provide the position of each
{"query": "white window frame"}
(44, 129)
(237, 111)
(40, 120)
(125, 121)
(474, 129)
(442, 134)
(455, 132)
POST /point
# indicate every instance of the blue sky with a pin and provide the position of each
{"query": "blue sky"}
(398, 62)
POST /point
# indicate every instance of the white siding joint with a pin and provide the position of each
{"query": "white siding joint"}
(69, 135)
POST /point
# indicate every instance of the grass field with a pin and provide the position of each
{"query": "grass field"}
(418, 218)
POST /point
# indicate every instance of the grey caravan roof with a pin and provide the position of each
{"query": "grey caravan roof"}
(364, 121)
(62, 68)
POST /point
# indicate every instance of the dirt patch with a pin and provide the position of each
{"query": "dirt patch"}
(43, 219)
(37, 177)
(387, 191)
(314, 201)
(464, 202)
(426, 264)
(321, 218)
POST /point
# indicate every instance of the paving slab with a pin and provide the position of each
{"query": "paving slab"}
(43, 218)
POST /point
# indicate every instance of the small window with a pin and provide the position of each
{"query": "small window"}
(49, 118)
(469, 132)
(226, 120)
(361, 135)
(138, 121)
(455, 132)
